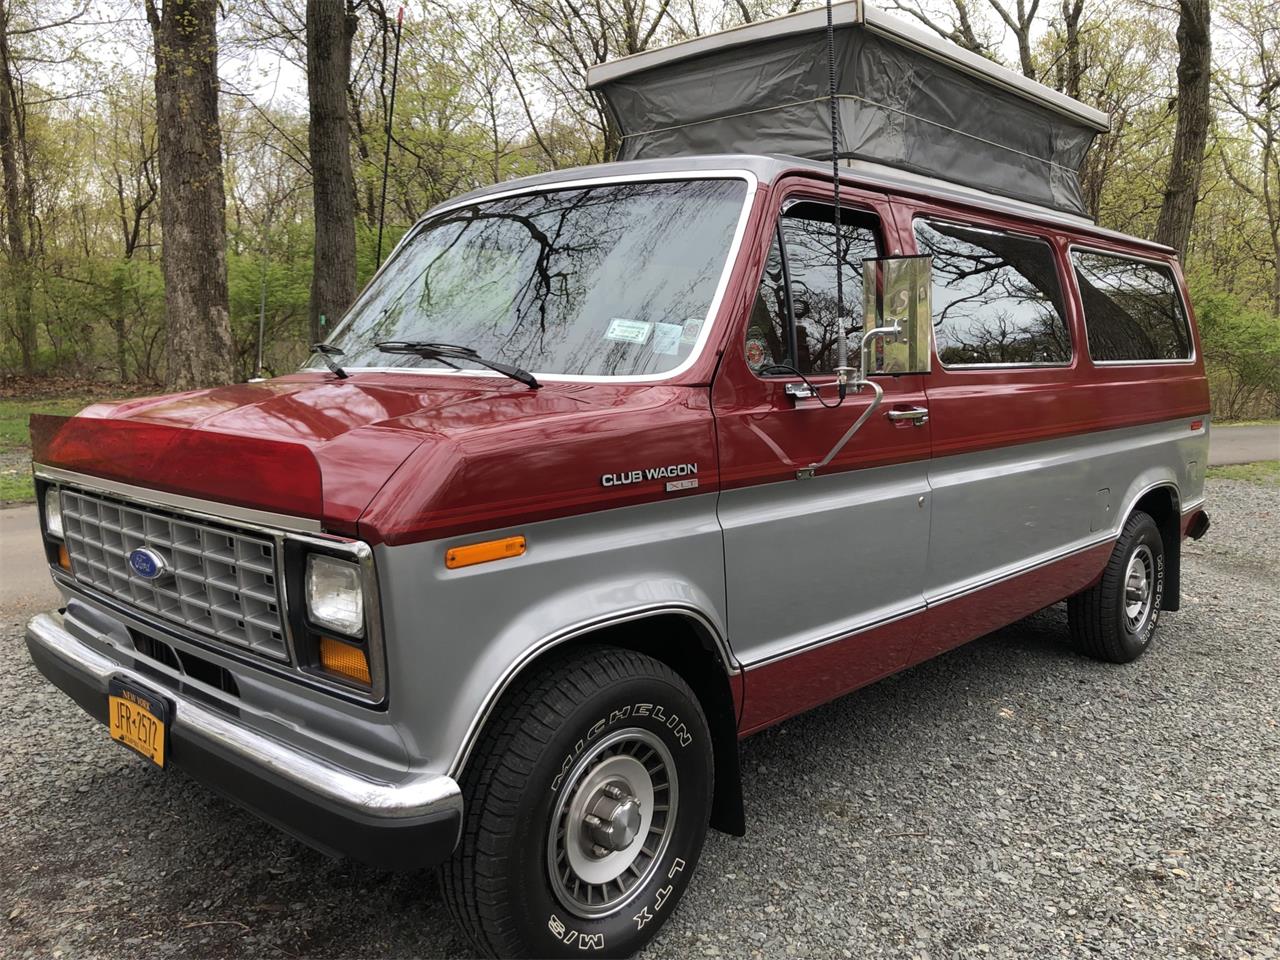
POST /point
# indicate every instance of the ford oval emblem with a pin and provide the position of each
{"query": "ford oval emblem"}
(147, 564)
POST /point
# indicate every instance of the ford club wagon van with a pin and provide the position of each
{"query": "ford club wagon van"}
(582, 491)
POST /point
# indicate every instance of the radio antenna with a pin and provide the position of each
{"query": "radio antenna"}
(842, 336)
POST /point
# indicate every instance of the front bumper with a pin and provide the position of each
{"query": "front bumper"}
(407, 825)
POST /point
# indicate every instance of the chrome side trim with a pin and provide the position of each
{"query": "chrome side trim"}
(927, 605)
(264, 521)
(418, 796)
(1193, 506)
(732, 667)
(1133, 501)
(863, 627)
(970, 588)
(713, 311)
(1011, 572)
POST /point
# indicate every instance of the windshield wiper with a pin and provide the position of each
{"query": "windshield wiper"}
(444, 352)
(327, 350)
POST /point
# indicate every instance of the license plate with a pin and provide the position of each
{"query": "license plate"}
(138, 719)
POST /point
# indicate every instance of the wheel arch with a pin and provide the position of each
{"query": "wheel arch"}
(687, 642)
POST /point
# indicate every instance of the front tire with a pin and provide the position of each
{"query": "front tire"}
(587, 803)
(1115, 619)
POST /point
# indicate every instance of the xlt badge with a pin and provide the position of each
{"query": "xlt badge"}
(670, 472)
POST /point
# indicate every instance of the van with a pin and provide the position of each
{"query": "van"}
(591, 483)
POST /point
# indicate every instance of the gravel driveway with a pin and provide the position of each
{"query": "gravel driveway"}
(1009, 799)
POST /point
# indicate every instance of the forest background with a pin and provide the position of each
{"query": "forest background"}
(259, 128)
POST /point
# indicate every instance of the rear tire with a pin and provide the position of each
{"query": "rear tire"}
(1115, 619)
(587, 801)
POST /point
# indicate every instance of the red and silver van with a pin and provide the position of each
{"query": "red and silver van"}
(583, 491)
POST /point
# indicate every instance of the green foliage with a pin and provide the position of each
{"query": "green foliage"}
(490, 92)
(1241, 348)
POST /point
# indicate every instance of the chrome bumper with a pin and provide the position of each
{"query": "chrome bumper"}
(330, 808)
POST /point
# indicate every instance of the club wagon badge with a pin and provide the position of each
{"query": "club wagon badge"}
(147, 564)
(679, 476)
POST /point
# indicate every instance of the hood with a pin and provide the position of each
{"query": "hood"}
(308, 445)
(313, 446)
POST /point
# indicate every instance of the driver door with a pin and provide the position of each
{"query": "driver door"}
(821, 573)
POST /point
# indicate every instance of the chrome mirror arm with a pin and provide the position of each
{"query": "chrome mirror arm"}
(806, 473)
(895, 331)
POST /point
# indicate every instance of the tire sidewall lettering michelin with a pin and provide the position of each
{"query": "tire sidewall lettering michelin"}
(665, 711)
(1139, 639)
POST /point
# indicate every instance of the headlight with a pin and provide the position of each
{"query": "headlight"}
(335, 598)
(52, 513)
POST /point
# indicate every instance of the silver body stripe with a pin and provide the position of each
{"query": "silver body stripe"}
(809, 563)
(865, 554)
(1000, 511)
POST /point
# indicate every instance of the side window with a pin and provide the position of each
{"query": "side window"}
(996, 296)
(794, 319)
(1132, 309)
(767, 335)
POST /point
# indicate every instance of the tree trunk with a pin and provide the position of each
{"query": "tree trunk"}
(1073, 69)
(330, 27)
(192, 199)
(19, 252)
(1183, 185)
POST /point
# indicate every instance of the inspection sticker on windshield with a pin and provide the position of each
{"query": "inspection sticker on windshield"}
(628, 331)
(666, 338)
(690, 330)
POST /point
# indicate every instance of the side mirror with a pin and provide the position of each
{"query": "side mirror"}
(898, 319)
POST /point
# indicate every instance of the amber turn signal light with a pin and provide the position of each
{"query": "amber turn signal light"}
(64, 558)
(344, 660)
(490, 550)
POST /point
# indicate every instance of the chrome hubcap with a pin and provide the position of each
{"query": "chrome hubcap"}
(1139, 585)
(612, 822)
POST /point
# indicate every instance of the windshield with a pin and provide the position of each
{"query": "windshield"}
(610, 280)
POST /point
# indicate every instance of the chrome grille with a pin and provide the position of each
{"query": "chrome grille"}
(219, 581)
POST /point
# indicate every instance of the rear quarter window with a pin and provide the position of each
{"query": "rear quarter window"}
(996, 297)
(1133, 310)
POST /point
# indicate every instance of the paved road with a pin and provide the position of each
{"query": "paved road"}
(1244, 444)
(25, 587)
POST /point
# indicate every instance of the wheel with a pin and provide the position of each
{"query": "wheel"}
(1115, 618)
(587, 803)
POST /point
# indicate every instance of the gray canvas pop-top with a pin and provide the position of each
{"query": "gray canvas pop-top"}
(906, 98)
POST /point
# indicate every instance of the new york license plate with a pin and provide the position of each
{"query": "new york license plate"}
(138, 719)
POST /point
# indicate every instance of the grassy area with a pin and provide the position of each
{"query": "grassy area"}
(15, 441)
(14, 413)
(1266, 472)
(18, 400)
(16, 485)
(1246, 423)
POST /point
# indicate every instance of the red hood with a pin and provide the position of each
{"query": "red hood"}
(314, 446)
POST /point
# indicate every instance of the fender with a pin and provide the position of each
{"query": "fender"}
(697, 617)
(464, 634)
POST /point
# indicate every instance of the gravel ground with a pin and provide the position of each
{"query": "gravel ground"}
(1008, 799)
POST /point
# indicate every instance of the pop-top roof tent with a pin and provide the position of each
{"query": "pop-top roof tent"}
(907, 98)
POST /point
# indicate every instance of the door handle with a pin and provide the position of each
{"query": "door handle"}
(918, 416)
